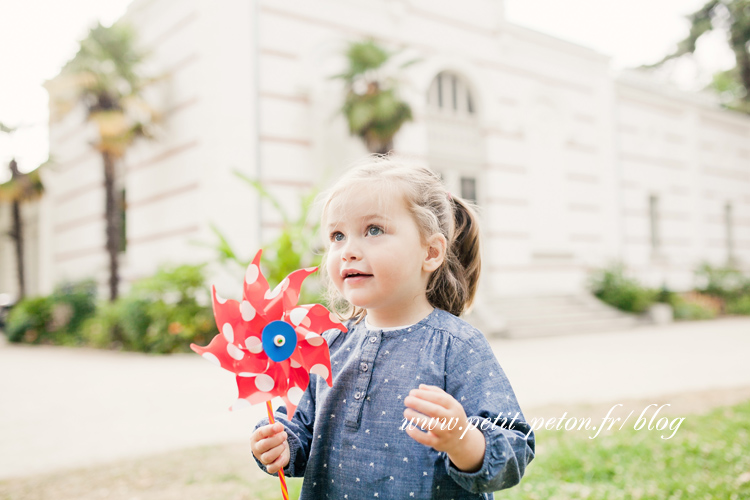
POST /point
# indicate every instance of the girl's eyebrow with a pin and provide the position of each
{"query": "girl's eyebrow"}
(365, 218)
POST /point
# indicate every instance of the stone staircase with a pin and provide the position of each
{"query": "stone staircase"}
(540, 316)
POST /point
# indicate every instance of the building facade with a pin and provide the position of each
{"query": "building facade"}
(572, 166)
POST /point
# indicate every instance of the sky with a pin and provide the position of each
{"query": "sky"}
(38, 36)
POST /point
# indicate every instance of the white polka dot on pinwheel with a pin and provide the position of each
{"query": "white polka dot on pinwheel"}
(220, 299)
(264, 382)
(294, 363)
(270, 294)
(314, 339)
(254, 344)
(228, 332)
(321, 370)
(295, 394)
(252, 273)
(297, 315)
(247, 310)
(235, 352)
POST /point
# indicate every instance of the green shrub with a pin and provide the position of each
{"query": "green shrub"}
(739, 305)
(29, 319)
(55, 319)
(102, 330)
(612, 286)
(724, 282)
(689, 309)
(165, 313)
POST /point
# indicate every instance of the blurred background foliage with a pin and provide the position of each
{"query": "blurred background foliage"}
(293, 248)
(718, 290)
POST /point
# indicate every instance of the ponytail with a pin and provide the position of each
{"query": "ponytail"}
(453, 285)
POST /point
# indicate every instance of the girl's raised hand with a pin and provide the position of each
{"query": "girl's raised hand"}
(462, 441)
(269, 445)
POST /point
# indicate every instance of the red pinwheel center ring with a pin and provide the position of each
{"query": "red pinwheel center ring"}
(279, 340)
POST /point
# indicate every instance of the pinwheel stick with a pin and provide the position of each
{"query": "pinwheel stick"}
(284, 492)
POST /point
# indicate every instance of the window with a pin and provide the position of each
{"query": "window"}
(728, 232)
(653, 210)
(450, 94)
(469, 189)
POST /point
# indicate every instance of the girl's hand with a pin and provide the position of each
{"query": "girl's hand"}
(269, 445)
(463, 442)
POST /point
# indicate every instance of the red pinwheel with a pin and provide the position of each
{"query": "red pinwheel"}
(269, 341)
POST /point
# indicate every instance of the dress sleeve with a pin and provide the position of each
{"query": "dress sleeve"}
(299, 431)
(474, 377)
(300, 428)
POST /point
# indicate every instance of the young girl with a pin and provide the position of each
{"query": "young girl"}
(402, 257)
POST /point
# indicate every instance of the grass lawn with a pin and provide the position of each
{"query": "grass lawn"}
(707, 458)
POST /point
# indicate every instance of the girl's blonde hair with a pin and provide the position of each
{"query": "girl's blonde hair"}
(453, 285)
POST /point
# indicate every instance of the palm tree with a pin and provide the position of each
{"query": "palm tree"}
(372, 107)
(734, 15)
(21, 188)
(105, 76)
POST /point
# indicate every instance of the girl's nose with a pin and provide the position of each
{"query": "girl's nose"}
(351, 251)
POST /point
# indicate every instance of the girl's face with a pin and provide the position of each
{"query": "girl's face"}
(383, 246)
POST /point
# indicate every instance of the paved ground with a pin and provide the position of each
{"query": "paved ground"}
(62, 407)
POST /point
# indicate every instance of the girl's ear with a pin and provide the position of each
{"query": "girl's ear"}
(436, 248)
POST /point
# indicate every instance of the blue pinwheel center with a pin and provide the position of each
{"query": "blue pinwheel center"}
(279, 340)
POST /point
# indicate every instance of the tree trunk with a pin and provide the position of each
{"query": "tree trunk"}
(17, 234)
(112, 216)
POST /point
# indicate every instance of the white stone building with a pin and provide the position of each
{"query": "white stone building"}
(571, 165)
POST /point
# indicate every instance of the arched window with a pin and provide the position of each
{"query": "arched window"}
(450, 94)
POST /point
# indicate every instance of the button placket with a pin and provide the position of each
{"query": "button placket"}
(370, 349)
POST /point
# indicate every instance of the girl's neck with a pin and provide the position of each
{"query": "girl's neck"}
(400, 317)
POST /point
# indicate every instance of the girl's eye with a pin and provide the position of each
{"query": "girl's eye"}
(335, 236)
(376, 228)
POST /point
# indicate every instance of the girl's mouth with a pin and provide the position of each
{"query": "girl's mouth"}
(357, 278)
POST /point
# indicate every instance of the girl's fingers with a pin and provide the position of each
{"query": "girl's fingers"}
(271, 442)
(426, 407)
(433, 394)
(279, 463)
(271, 455)
(268, 430)
(425, 438)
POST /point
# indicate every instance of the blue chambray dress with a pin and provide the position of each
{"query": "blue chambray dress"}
(348, 440)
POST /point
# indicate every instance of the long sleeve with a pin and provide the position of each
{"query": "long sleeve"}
(300, 428)
(474, 377)
(299, 431)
